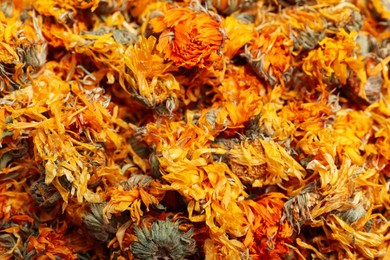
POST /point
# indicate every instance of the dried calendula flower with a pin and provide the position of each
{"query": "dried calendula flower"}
(297, 209)
(270, 55)
(97, 226)
(356, 210)
(268, 234)
(14, 201)
(163, 239)
(365, 244)
(351, 129)
(44, 195)
(110, 6)
(343, 16)
(238, 34)
(306, 27)
(49, 243)
(128, 195)
(63, 11)
(190, 36)
(150, 83)
(263, 162)
(336, 58)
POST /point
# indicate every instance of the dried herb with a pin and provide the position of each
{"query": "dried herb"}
(211, 129)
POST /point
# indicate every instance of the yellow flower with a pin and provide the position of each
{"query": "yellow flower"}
(238, 34)
(271, 55)
(263, 162)
(336, 58)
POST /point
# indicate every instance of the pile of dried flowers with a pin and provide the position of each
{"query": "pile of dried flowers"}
(145, 129)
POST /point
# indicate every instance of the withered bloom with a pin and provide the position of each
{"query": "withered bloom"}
(270, 55)
(97, 226)
(163, 240)
(49, 243)
(10, 243)
(343, 15)
(190, 36)
(265, 123)
(44, 195)
(306, 27)
(297, 209)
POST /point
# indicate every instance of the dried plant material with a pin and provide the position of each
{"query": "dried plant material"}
(343, 15)
(228, 6)
(163, 239)
(194, 129)
(238, 34)
(44, 195)
(49, 243)
(297, 209)
(270, 55)
(151, 84)
(331, 60)
(269, 233)
(128, 195)
(380, 9)
(11, 243)
(263, 162)
(96, 225)
(190, 36)
(366, 243)
(306, 26)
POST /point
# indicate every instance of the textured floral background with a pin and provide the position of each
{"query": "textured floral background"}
(217, 129)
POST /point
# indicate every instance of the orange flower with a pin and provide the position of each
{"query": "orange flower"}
(50, 244)
(268, 234)
(336, 58)
(189, 36)
(131, 194)
(239, 34)
(270, 55)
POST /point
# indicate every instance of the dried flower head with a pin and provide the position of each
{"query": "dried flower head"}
(44, 195)
(269, 232)
(150, 82)
(343, 16)
(306, 27)
(297, 209)
(190, 36)
(263, 162)
(239, 34)
(97, 226)
(335, 60)
(163, 240)
(270, 55)
(49, 243)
